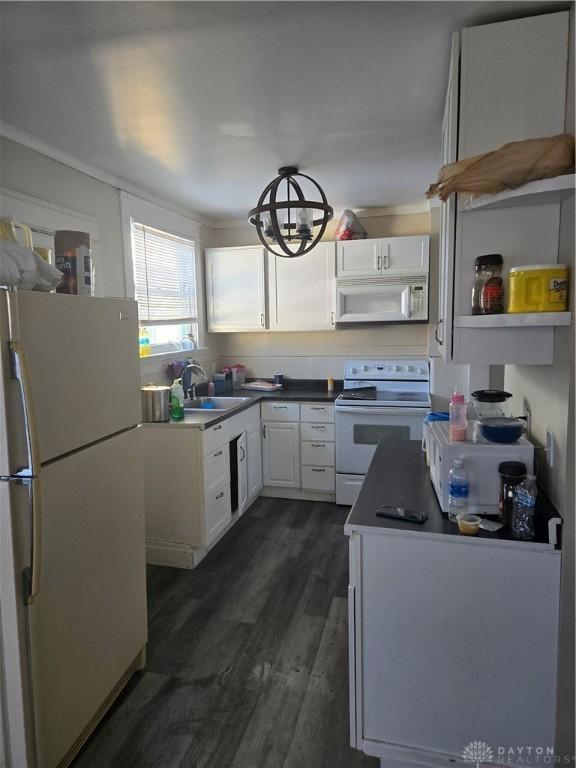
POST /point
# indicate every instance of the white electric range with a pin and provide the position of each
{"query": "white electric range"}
(382, 400)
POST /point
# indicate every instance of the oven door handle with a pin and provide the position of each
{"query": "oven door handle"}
(384, 410)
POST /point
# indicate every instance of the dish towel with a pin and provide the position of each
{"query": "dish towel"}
(22, 268)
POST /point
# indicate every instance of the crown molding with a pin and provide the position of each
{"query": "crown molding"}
(30, 141)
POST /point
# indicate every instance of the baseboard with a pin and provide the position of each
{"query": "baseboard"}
(171, 554)
(271, 492)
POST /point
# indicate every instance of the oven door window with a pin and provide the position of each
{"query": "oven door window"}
(371, 434)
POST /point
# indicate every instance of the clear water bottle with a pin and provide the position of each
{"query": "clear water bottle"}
(458, 489)
(524, 506)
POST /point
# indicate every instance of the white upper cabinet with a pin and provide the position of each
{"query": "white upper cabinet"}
(235, 289)
(382, 256)
(402, 255)
(358, 258)
(301, 291)
(512, 87)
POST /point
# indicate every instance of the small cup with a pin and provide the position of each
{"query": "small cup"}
(279, 378)
(469, 524)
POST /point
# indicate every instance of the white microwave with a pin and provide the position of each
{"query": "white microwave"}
(392, 300)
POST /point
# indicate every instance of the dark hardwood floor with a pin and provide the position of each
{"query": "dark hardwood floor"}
(247, 654)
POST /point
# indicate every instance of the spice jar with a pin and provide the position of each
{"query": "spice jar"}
(512, 473)
(488, 288)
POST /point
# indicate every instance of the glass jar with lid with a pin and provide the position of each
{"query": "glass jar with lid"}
(488, 288)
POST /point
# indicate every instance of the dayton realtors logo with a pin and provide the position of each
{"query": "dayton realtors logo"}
(477, 753)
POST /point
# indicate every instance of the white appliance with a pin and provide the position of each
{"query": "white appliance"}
(481, 461)
(382, 400)
(72, 546)
(388, 299)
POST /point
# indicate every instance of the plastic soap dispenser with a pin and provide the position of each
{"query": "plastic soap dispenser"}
(457, 417)
(177, 401)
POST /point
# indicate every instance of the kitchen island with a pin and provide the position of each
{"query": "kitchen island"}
(453, 639)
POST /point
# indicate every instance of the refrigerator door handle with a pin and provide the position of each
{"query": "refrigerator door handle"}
(31, 473)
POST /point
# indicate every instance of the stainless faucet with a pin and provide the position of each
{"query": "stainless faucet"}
(196, 368)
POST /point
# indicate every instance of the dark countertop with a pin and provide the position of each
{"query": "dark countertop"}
(301, 390)
(398, 476)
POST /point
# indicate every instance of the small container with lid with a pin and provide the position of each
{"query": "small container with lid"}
(458, 421)
(512, 473)
(538, 288)
(488, 288)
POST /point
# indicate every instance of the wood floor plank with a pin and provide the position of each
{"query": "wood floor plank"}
(247, 654)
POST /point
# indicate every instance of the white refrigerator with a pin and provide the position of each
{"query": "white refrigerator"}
(72, 541)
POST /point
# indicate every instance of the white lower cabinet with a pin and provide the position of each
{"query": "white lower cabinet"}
(242, 463)
(254, 450)
(197, 483)
(451, 641)
(217, 512)
(281, 451)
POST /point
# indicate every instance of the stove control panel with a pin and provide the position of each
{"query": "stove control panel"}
(387, 370)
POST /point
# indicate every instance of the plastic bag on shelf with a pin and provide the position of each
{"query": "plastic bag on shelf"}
(349, 227)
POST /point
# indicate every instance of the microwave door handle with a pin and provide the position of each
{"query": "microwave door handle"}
(30, 474)
(405, 306)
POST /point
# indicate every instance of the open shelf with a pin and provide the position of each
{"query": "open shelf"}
(533, 193)
(516, 320)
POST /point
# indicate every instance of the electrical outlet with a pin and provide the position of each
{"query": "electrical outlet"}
(549, 448)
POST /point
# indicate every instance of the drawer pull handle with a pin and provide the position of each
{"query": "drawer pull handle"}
(280, 407)
(218, 453)
(220, 495)
(218, 426)
(318, 470)
(314, 426)
(317, 408)
(318, 445)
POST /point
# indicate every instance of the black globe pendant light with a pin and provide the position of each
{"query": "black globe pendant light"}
(286, 222)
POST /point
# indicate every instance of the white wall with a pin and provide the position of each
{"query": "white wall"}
(32, 173)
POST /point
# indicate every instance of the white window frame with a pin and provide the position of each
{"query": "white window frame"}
(136, 209)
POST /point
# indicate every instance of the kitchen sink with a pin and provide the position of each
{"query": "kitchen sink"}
(220, 403)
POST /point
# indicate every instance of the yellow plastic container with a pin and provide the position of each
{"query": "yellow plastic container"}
(538, 288)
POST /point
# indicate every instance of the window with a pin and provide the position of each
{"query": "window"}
(165, 287)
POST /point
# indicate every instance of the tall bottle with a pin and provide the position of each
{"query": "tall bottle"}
(177, 401)
(144, 341)
(458, 490)
(524, 508)
(457, 417)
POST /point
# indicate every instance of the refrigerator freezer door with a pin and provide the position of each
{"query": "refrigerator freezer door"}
(88, 622)
(82, 355)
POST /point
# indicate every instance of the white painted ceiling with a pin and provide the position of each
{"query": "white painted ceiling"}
(201, 102)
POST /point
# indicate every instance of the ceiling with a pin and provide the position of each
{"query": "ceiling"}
(201, 102)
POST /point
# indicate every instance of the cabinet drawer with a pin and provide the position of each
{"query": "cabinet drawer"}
(317, 432)
(218, 511)
(215, 437)
(318, 478)
(216, 466)
(313, 412)
(318, 454)
(280, 412)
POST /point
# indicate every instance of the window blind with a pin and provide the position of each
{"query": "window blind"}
(164, 276)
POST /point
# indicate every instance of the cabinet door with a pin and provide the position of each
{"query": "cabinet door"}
(358, 258)
(281, 448)
(242, 472)
(443, 329)
(218, 512)
(512, 82)
(254, 448)
(302, 291)
(401, 255)
(235, 289)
